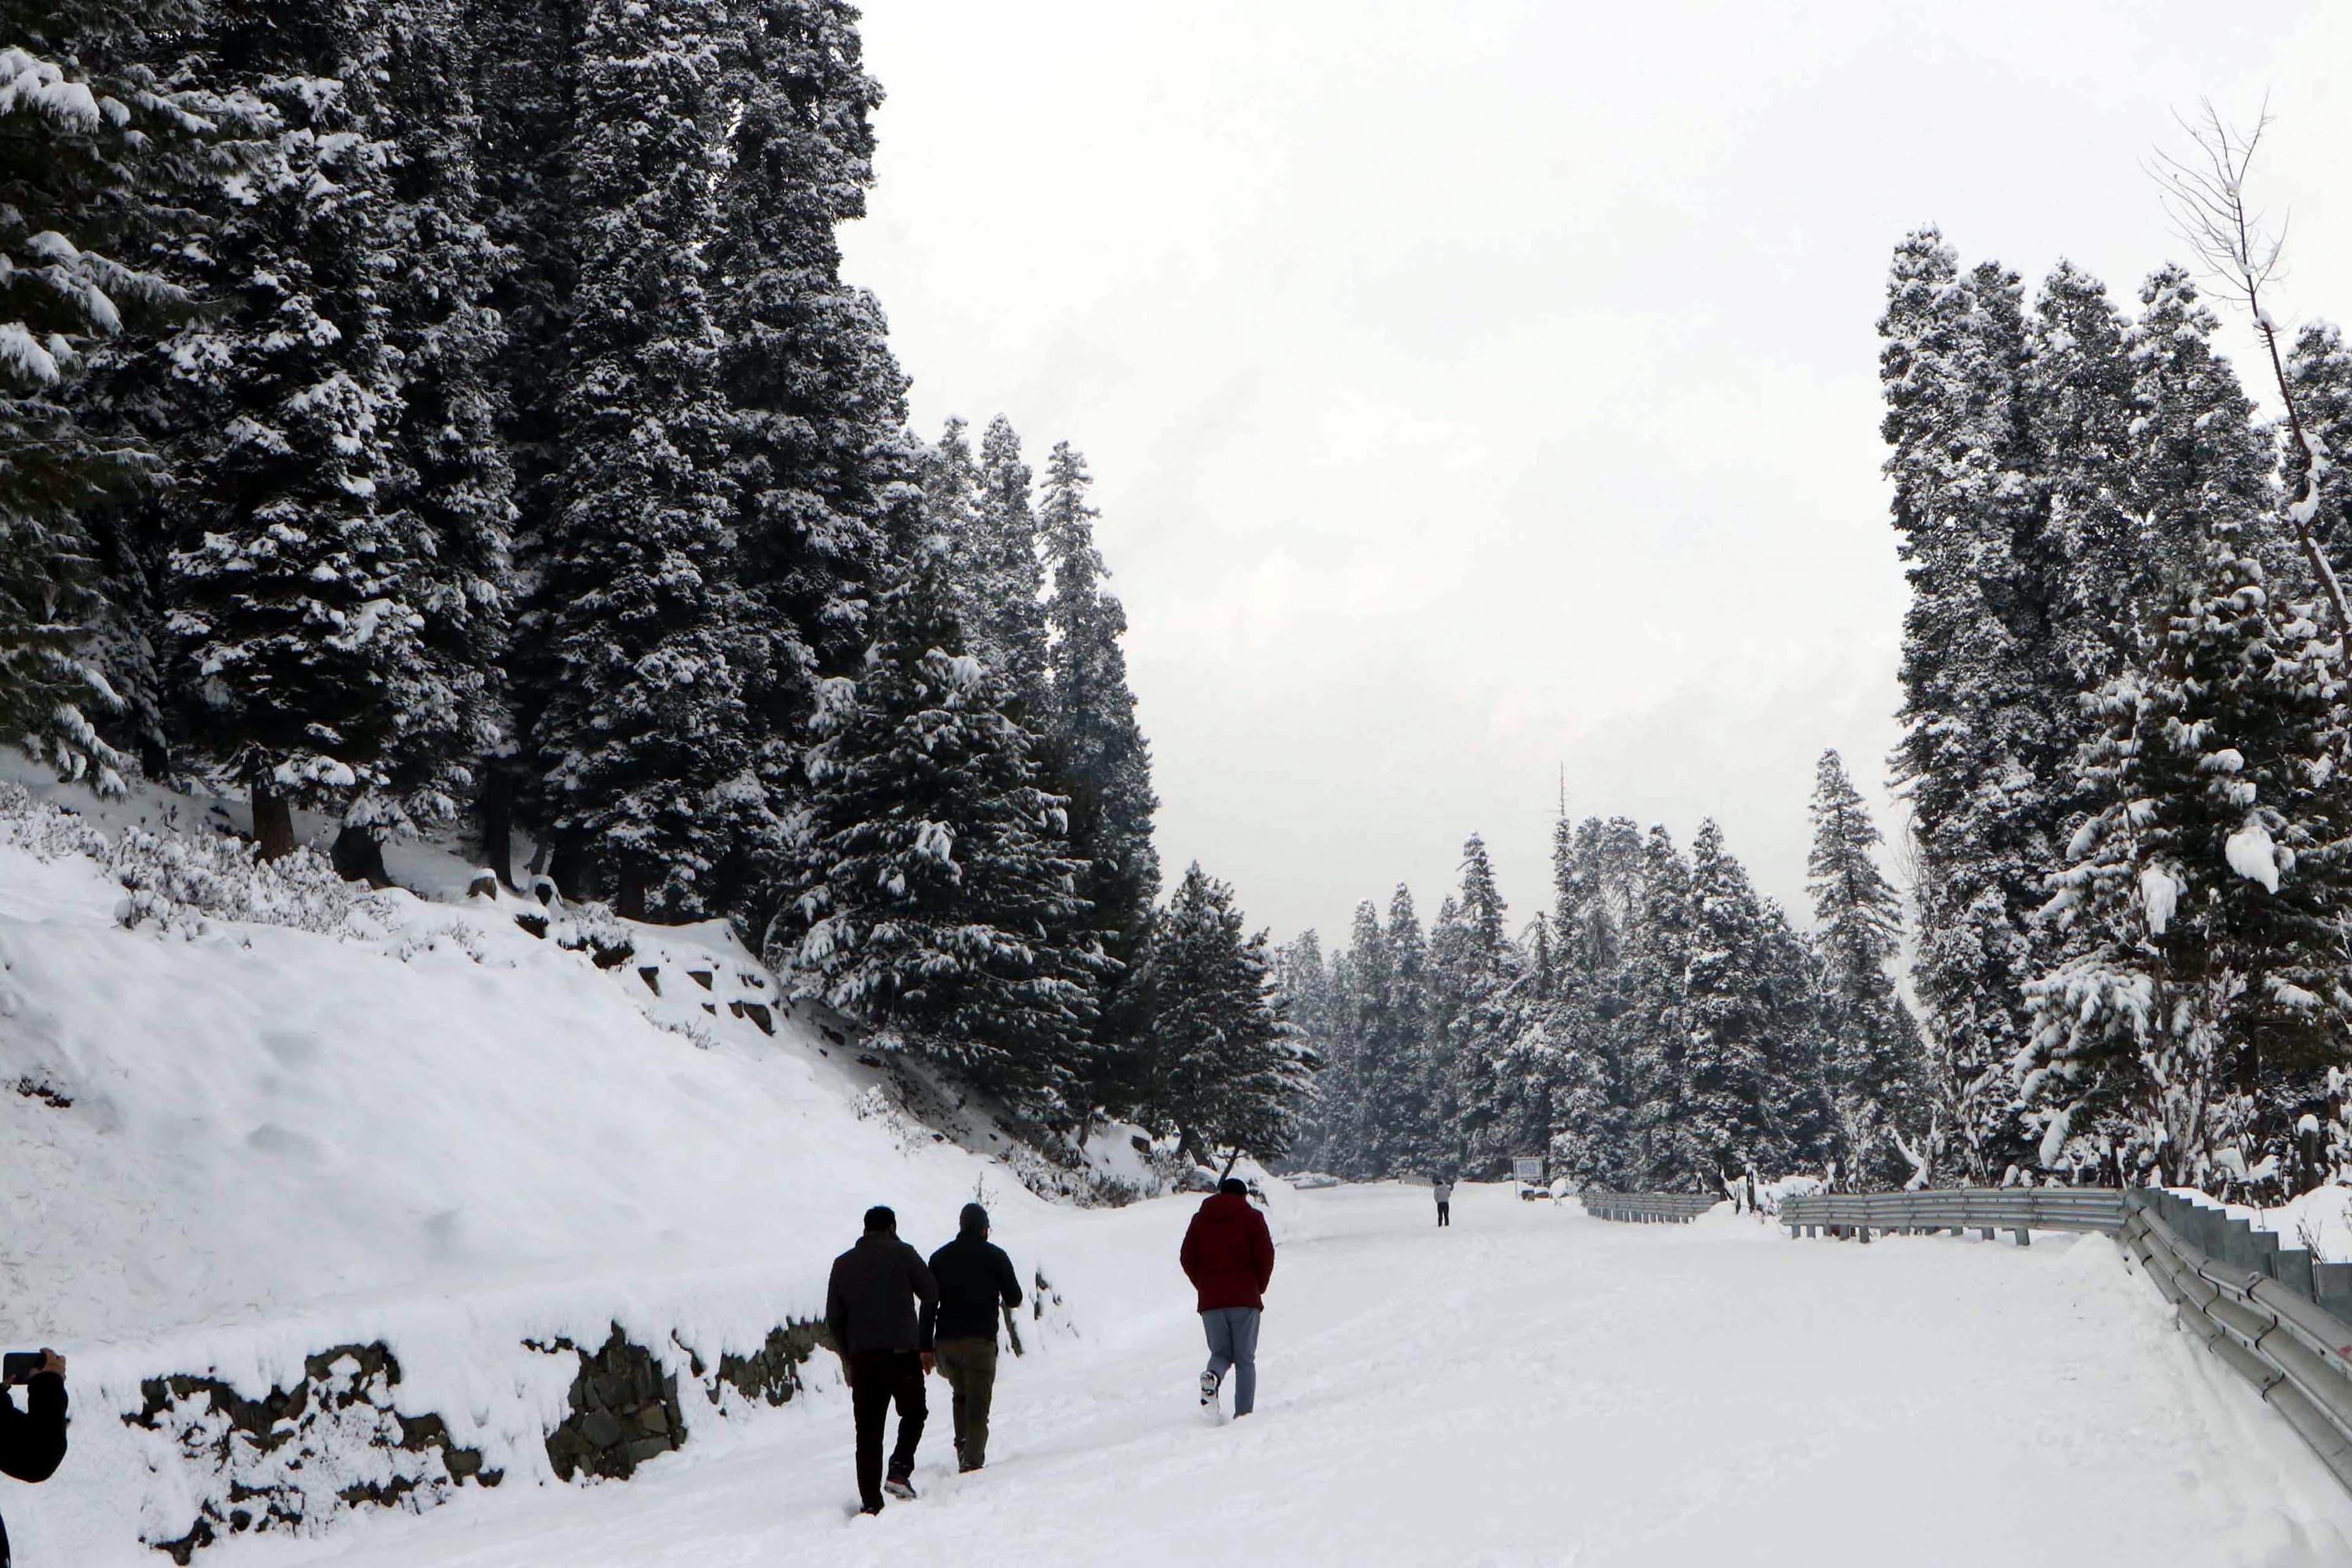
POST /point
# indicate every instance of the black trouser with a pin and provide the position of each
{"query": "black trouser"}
(1444, 1213)
(877, 1379)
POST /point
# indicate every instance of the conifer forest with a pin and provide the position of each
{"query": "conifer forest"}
(451, 418)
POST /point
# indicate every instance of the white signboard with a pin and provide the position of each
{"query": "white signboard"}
(1528, 1171)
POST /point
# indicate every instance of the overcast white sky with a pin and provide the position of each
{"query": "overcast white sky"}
(1480, 389)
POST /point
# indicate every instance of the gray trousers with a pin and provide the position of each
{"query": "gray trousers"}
(1232, 1342)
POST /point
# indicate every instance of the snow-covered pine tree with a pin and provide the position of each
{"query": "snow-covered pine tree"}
(453, 485)
(1007, 548)
(1486, 1110)
(95, 142)
(1432, 1141)
(2320, 371)
(1230, 1072)
(295, 583)
(1395, 1047)
(1877, 1073)
(1649, 1036)
(647, 631)
(1588, 1119)
(949, 476)
(2207, 900)
(2074, 399)
(930, 876)
(2197, 458)
(816, 454)
(1349, 1119)
(527, 65)
(1303, 979)
(1800, 1117)
(1726, 1126)
(1099, 754)
(1984, 731)
(1329, 1114)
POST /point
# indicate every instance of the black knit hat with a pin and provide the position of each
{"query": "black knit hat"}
(880, 1217)
(1233, 1184)
(973, 1219)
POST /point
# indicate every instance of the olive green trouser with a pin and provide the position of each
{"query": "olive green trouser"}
(970, 1367)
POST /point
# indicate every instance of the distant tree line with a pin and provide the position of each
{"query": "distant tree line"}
(452, 417)
(1662, 1026)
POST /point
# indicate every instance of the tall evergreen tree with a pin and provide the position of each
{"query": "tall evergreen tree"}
(1012, 598)
(2207, 897)
(527, 80)
(2075, 398)
(453, 487)
(1877, 1073)
(1488, 1081)
(647, 627)
(930, 875)
(1099, 755)
(1652, 1031)
(1230, 1072)
(1726, 1125)
(92, 144)
(301, 593)
(1985, 731)
(1395, 1044)
(2320, 371)
(816, 457)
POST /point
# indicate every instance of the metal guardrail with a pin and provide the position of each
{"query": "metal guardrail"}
(2018, 1210)
(1647, 1208)
(2259, 1309)
(2272, 1314)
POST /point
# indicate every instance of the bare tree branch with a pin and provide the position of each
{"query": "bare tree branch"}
(2204, 194)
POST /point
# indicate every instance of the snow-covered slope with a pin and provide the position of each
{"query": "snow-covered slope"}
(232, 1144)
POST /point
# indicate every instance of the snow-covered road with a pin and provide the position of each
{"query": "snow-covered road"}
(1531, 1387)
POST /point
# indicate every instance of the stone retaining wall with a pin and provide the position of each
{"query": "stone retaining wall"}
(296, 1458)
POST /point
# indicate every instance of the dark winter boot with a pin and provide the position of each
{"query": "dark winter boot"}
(900, 1487)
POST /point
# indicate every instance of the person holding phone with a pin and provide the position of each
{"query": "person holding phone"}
(33, 1440)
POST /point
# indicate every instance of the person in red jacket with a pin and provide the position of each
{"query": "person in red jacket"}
(1229, 1257)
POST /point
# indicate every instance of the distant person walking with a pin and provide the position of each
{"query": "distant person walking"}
(976, 1282)
(1228, 1256)
(885, 1345)
(33, 1440)
(1444, 1187)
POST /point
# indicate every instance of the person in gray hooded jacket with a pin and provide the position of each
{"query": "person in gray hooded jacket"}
(1444, 1187)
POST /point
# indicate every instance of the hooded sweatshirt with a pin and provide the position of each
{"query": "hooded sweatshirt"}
(1228, 1253)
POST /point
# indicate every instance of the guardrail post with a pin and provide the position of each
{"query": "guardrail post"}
(2024, 1236)
(2331, 1286)
(2291, 1266)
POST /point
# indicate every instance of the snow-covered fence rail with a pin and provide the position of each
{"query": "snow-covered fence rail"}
(2270, 1312)
(2273, 1314)
(1647, 1208)
(2019, 1210)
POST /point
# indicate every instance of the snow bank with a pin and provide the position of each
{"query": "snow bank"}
(417, 1128)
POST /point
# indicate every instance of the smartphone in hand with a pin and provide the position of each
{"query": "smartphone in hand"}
(19, 1366)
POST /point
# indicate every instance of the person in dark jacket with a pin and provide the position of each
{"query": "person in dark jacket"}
(33, 1440)
(884, 1345)
(1228, 1256)
(976, 1282)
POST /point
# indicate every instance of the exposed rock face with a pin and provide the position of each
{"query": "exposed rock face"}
(623, 1412)
(297, 1456)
